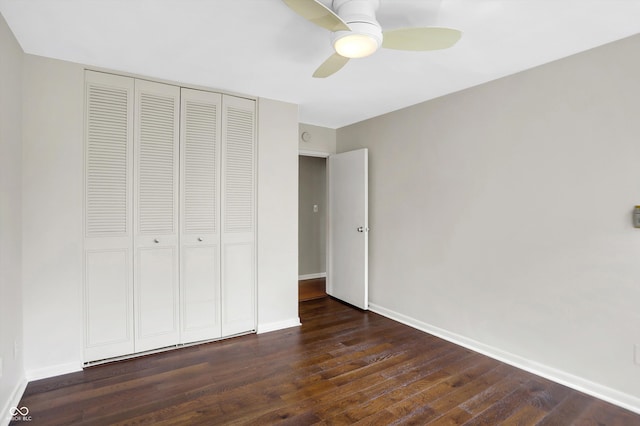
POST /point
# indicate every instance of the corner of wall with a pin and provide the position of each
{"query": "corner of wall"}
(279, 325)
(12, 378)
(52, 199)
(12, 401)
(277, 237)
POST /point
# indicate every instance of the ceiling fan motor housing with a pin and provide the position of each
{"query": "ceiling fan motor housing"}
(360, 16)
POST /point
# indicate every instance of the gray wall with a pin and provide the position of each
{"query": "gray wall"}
(312, 178)
(12, 378)
(501, 217)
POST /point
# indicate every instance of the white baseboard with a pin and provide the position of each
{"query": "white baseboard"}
(312, 276)
(279, 325)
(597, 390)
(13, 401)
(54, 370)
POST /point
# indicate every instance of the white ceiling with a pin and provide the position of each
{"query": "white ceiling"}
(262, 48)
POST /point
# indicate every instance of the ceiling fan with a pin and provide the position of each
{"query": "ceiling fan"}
(356, 33)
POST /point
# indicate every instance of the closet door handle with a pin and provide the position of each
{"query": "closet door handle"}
(155, 240)
(200, 239)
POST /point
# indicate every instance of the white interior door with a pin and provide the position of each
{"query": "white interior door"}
(156, 216)
(347, 278)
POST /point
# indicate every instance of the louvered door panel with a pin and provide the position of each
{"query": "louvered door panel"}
(156, 164)
(239, 169)
(200, 217)
(201, 158)
(108, 272)
(156, 218)
(108, 141)
(238, 215)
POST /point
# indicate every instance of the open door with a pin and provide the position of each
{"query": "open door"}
(348, 278)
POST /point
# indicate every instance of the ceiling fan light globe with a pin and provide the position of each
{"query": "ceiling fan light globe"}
(353, 45)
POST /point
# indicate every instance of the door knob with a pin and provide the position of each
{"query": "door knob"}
(155, 240)
(200, 239)
(363, 229)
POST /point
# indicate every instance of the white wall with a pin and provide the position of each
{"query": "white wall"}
(501, 218)
(322, 139)
(277, 215)
(53, 205)
(52, 215)
(12, 378)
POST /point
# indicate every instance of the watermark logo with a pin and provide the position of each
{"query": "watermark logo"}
(23, 411)
(20, 414)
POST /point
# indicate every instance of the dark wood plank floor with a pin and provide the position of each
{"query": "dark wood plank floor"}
(312, 289)
(343, 366)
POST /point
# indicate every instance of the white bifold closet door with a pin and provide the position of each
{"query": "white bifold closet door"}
(238, 259)
(156, 268)
(108, 228)
(200, 215)
(170, 216)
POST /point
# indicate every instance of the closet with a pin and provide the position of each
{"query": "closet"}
(169, 216)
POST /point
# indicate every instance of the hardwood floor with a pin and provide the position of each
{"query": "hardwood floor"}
(342, 366)
(312, 289)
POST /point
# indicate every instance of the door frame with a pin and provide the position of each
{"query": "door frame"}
(327, 253)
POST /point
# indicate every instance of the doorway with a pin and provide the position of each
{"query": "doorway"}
(312, 226)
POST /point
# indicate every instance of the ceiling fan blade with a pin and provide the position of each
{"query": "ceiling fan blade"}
(319, 14)
(431, 38)
(331, 66)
